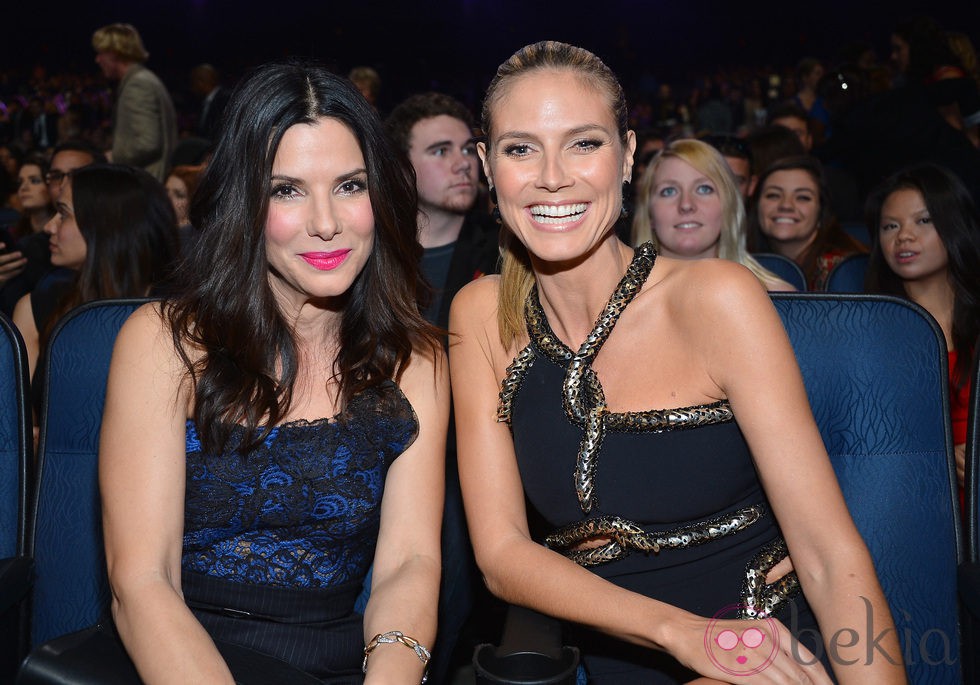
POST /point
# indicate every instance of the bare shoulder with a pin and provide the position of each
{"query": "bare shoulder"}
(477, 298)
(713, 286)
(146, 328)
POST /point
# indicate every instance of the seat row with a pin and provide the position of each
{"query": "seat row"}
(875, 372)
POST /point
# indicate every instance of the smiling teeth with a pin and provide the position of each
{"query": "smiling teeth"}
(558, 214)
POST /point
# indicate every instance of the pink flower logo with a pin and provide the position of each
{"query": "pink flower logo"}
(756, 648)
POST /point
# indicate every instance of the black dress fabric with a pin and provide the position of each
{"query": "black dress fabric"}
(660, 478)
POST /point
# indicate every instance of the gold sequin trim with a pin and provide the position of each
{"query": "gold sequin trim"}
(512, 382)
(761, 599)
(626, 536)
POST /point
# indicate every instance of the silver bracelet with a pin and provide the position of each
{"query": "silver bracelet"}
(393, 636)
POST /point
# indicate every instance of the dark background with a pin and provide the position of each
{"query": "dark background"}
(455, 45)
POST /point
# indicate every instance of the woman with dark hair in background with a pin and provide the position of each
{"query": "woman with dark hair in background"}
(926, 247)
(279, 424)
(114, 225)
(182, 182)
(792, 216)
(35, 211)
(32, 193)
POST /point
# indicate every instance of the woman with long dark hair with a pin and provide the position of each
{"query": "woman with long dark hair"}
(792, 215)
(279, 425)
(926, 247)
(114, 227)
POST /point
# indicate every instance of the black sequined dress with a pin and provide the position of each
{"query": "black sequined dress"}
(675, 489)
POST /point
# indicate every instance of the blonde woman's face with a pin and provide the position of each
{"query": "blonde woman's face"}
(557, 163)
(685, 210)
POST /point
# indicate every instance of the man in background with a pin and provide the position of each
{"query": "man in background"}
(144, 123)
(435, 132)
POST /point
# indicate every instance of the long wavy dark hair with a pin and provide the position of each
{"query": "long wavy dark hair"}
(955, 218)
(130, 233)
(226, 308)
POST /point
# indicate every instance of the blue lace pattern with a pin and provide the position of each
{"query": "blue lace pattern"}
(303, 509)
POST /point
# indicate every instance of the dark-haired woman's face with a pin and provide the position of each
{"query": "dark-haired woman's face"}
(177, 192)
(319, 230)
(789, 209)
(31, 189)
(908, 239)
(68, 246)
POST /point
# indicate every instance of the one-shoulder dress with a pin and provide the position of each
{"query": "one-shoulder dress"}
(277, 543)
(674, 490)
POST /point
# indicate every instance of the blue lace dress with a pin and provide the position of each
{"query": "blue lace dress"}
(277, 543)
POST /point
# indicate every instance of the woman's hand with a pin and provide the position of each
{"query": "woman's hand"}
(745, 651)
(11, 264)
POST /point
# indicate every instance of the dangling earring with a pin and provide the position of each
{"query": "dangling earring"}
(624, 207)
(495, 213)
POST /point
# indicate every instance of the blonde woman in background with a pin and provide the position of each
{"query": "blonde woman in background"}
(688, 205)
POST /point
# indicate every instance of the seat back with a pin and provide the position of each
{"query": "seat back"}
(784, 267)
(65, 538)
(857, 230)
(972, 483)
(875, 370)
(848, 275)
(16, 440)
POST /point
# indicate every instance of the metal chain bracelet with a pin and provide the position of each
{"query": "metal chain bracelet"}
(393, 636)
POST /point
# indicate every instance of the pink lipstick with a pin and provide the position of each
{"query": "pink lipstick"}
(325, 261)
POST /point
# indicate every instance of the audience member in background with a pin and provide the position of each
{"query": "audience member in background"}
(206, 84)
(40, 125)
(181, 185)
(792, 215)
(922, 53)
(772, 143)
(36, 209)
(791, 116)
(144, 130)
(738, 157)
(926, 247)
(687, 203)
(116, 229)
(34, 198)
(10, 159)
(279, 424)
(68, 156)
(435, 132)
(368, 83)
(809, 71)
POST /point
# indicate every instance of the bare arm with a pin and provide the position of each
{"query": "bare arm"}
(754, 365)
(405, 580)
(523, 572)
(24, 320)
(141, 477)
